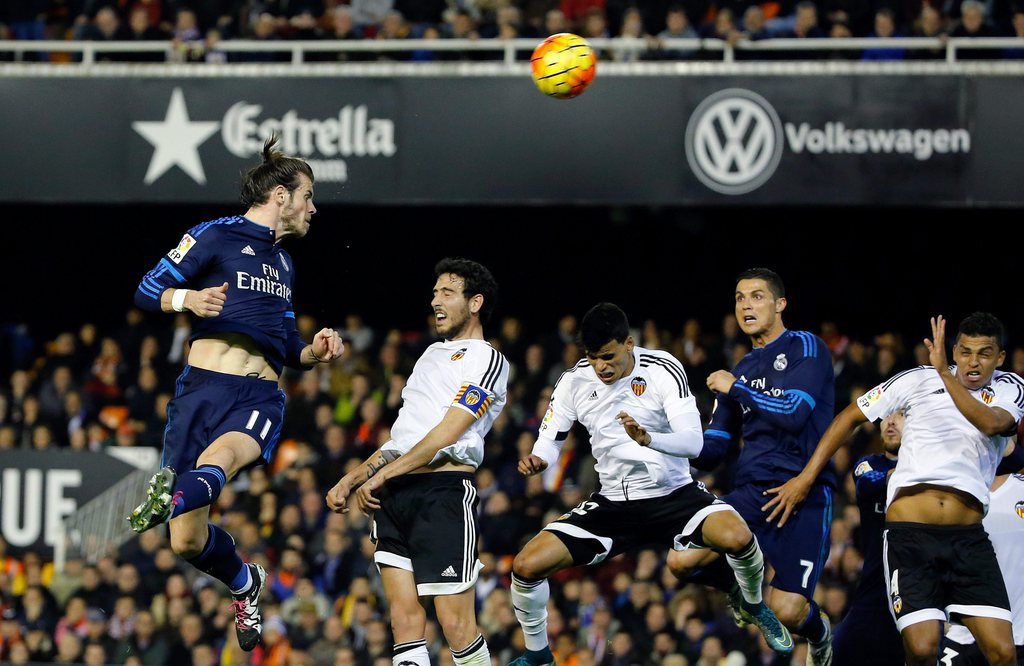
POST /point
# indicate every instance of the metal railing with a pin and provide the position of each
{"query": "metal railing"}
(98, 527)
(513, 51)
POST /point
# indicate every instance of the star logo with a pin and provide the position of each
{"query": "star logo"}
(176, 141)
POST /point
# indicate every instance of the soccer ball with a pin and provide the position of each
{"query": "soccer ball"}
(563, 65)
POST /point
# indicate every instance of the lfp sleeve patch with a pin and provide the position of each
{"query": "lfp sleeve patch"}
(178, 253)
(473, 399)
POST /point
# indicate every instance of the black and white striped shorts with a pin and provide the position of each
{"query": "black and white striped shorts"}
(427, 525)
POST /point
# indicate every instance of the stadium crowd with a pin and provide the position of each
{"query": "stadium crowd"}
(193, 28)
(89, 389)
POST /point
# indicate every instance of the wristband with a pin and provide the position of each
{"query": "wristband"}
(178, 300)
(313, 354)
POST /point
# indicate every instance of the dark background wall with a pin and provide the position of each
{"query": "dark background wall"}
(868, 269)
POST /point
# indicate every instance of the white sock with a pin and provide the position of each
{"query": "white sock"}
(414, 652)
(530, 601)
(748, 565)
(474, 654)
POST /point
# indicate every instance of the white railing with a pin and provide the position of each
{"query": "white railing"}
(99, 527)
(516, 50)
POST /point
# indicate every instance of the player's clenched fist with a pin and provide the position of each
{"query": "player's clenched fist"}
(207, 302)
(337, 497)
(327, 345)
(531, 465)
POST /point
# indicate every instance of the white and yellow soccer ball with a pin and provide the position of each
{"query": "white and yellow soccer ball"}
(563, 65)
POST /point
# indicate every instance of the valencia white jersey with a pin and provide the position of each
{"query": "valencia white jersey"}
(461, 374)
(655, 393)
(940, 446)
(1005, 526)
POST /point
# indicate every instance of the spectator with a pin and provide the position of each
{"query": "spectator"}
(885, 28)
(393, 26)
(341, 27)
(140, 29)
(594, 25)
(369, 15)
(839, 28)
(974, 23)
(106, 26)
(802, 25)
(26, 21)
(677, 26)
(632, 29)
(555, 22)
(1017, 30)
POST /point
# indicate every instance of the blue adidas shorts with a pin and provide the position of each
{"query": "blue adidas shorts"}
(798, 550)
(207, 404)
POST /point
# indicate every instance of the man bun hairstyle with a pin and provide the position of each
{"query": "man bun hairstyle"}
(982, 325)
(771, 278)
(476, 279)
(275, 169)
(603, 323)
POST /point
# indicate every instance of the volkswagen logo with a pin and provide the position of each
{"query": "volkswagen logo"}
(734, 141)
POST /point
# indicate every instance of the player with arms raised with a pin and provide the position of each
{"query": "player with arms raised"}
(939, 562)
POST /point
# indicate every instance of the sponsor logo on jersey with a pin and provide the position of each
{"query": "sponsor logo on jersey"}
(780, 362)
(863, 467)
(249, 251)
(1019, 508)
(178, 253)
(459, 354)
(639, 385)
(593, 396)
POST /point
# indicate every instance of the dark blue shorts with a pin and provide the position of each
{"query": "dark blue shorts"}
(798, 550)
(208, 404)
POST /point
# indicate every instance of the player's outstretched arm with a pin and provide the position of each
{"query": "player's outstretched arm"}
(793, 492)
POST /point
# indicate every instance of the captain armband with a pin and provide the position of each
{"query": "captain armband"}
(473, 399)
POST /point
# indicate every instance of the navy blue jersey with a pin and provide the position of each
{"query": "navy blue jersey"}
(781, 403)
(870, 474)
(259, 274)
